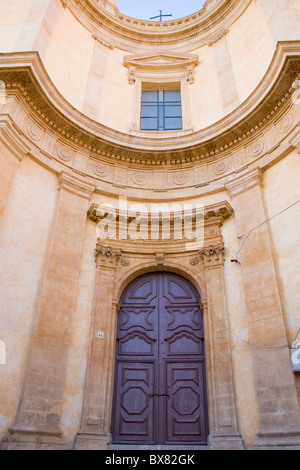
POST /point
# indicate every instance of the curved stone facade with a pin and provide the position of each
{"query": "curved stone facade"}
(89, 202)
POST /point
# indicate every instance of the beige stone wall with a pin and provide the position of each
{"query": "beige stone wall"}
(251, 48)
(13, 17)
(285, 230)
(24, 231)
(68, 57)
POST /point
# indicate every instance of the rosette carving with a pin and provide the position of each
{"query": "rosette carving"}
(98, 168)
(65, 154)
(285, 124)
(181, 178)
(140, 179)
(256, 149)
(33, 131)
(221, 167)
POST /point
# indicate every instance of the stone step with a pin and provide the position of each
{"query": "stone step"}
(182, 448)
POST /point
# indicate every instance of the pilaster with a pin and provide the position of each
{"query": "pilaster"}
(275, 383)
(12, 152)
(38, 417)
(95, 425)
(224, 433)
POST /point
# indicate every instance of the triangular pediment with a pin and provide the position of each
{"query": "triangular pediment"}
(161, 60)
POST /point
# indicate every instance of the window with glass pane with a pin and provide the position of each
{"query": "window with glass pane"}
(161, 111)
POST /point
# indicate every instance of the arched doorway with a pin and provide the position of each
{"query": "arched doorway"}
(160, 390)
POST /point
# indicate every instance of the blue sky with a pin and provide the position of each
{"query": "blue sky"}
(144, 9)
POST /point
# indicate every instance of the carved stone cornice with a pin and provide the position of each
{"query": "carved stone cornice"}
(75, 185)
(295, 141)
(25, 76)
(11, 139)
(246, 181)
(160, 231)
(102, 41)
(160, 62)
(218, 37)
(131, 34)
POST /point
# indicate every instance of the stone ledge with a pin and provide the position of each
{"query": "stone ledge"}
(33, 438)
(222, 441)
(86, 440)
(278, 438)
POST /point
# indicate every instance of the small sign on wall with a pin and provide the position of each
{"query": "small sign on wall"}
(295, 357)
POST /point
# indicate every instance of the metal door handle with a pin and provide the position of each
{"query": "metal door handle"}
(159, 395)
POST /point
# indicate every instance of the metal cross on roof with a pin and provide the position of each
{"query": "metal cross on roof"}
(160, 16)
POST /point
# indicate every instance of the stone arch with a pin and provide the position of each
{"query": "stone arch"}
(184, 271)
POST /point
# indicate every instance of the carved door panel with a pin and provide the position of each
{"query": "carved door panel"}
(160, 365)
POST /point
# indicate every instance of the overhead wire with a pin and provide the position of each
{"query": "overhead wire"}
(263, 223)
(237, 257)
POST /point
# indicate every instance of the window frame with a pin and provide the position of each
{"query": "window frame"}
(161, 109)
(177, 82)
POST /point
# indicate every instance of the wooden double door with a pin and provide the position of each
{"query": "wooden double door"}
(160, 392)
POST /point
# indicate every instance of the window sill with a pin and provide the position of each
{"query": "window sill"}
(160, 134)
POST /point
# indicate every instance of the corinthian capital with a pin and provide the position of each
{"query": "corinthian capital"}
(213, 254)
(106, 256)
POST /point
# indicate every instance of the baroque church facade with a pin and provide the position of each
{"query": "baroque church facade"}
(149, 226)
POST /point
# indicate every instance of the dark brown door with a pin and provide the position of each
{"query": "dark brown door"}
(159, 393)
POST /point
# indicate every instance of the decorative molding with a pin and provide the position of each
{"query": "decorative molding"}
(217, 37)
(65, 3)
(25, 71)
(213, 253)
(194, 261)
(285, 124)
(75, 185)
(244, 182)
(102, 41)
(256, 149)
(97, 168)
(295, 141)
(156, 63)
(181, 178)
(273, 148)
(12, 141)
(107, 256)
(125, 262)
(160, 259)
(242, 168)
(132, 34)
(131, 75)
(140, 178)
(64, 153)
(33, 131)
(221, 167)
